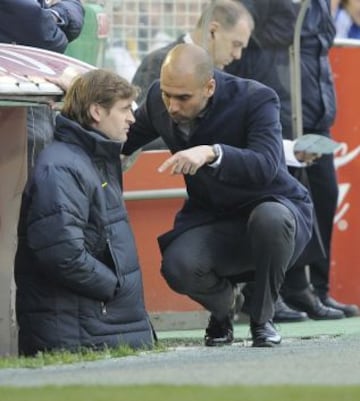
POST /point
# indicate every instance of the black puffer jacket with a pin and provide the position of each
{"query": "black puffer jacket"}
(76, 269)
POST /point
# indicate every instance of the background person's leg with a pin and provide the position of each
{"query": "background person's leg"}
(312, 296)
(324, 192)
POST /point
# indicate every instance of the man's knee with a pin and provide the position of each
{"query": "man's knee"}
(184, 270)
(175, 272)
(273, 221)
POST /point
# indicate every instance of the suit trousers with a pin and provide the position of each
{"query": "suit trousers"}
(205, 262)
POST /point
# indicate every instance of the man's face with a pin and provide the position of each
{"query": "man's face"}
(183, 96)
(114, 123)
(227, 45)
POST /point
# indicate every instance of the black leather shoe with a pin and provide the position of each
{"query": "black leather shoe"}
(264, 334)
(285, 314)
(219, 332)
(349, 310)
(306, 301)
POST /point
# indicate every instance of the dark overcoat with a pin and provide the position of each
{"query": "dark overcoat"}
(243, 117)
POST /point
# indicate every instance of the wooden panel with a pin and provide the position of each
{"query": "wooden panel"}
(13, 165)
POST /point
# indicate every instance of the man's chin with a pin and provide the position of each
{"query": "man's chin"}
(121, 139)
(180, 120)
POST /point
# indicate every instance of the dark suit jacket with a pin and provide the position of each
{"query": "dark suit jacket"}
(149, 69)
(243, 117)
(267, 59)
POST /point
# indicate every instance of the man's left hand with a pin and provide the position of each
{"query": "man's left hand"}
(307, 158)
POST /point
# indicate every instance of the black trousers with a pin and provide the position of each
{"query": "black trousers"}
(323, 186)
(205, 261)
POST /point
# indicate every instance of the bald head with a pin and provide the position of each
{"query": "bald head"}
(188, 61)
(186, 82)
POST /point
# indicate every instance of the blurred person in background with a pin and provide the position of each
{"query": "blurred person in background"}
(223, 29)
(267, 60)
(347, 19)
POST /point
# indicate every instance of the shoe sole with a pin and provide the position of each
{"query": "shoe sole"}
(345, 312)
(212, 343)
(302, 319)
(351, 314)
(317, 317)
(265, 344)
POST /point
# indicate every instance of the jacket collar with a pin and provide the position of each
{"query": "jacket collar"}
(90, 139)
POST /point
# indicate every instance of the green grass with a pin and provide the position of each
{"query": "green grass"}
(182, 393)
(66, 357)
(63, 357)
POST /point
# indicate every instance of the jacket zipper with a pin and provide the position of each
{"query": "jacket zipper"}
(118, 275)
(103, 308)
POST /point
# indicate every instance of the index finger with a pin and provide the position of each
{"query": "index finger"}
(167, 163)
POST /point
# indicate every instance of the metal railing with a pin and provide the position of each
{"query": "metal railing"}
(342, 42)
(150, 194)
(295, 73)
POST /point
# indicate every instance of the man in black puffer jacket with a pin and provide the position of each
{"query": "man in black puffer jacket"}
(76, 268)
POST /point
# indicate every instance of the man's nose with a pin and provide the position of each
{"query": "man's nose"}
(173, 105)
(131, 117)
(237, 53)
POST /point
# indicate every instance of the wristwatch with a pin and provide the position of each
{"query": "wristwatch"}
(217, 151)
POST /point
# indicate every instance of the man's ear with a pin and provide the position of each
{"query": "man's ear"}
(211, 85)
(213, 27)
(95, 112)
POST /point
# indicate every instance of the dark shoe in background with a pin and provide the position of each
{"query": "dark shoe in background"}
(306, 301)
(349, 310)
(264, 334)
(219, 332)
(285, 314)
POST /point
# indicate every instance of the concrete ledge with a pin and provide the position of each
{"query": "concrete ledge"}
(164, 321)
(167, 321)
